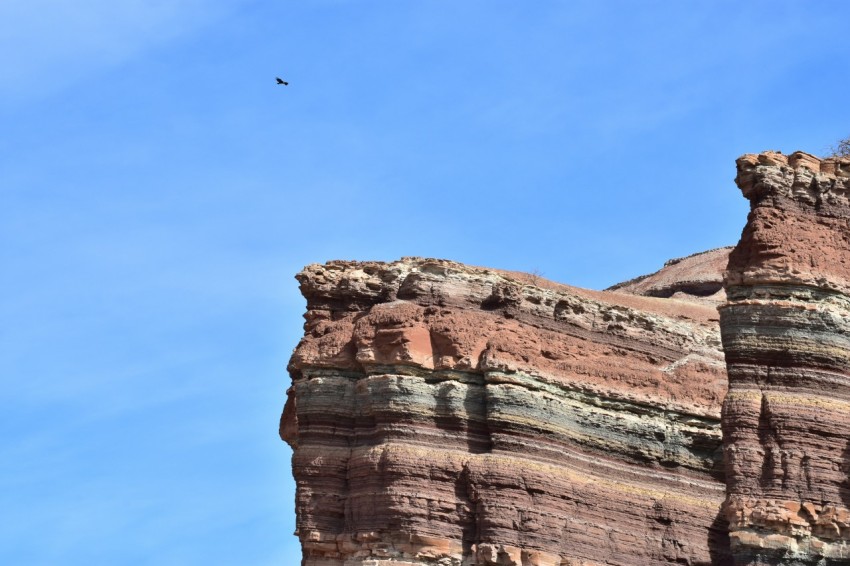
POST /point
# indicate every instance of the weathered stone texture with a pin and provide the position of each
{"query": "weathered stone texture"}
(786, 334)
(446, 414)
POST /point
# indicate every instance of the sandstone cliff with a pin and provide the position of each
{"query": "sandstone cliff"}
(443, 414)
(785, 333)
(447, 414)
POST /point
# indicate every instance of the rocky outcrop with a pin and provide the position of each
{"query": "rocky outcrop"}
(447, 414)
(786, 334)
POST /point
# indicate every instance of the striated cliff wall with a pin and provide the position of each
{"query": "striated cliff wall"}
(786, 334)
(449, 415)
(446, 414)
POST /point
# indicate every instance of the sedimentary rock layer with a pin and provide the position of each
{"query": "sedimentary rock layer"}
(786, 335)
(443, 414)
(696, 278)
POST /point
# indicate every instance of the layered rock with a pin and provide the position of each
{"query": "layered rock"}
(786, 335)
(444, 414)
(696, 278)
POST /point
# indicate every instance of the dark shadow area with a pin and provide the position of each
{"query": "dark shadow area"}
(844, 486)
(768, 439)
(719, 547)
(467, 513)
(697, 289)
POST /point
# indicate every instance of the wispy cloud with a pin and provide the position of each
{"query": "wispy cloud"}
(46, 45)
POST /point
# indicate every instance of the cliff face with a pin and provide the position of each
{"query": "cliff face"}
(449, 415)
(446, 414)
(786, 333)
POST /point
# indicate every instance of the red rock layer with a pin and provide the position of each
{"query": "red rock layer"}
(786, 419)
(443, 414)
(696, 278)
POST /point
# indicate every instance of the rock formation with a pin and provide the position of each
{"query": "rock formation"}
(696, 278)
(786, 337)
(449, 415)
(446, 414)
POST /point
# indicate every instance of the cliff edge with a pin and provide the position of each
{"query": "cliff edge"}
(449, 415)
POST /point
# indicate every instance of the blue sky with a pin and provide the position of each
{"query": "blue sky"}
(159, 192)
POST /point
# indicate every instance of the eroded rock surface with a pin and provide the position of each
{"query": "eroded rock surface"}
(786, 333)
(447, 414)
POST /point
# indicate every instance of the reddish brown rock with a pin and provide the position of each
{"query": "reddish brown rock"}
(785, 333)
(698, 277)
(447, 414)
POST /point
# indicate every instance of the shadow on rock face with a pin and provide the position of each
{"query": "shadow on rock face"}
(719, 547)
(462, 413)
(844, 487)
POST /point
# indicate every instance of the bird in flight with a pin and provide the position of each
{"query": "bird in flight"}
(280, 81)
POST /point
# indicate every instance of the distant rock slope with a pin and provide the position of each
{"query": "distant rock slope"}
(698, 277)
(786, 333)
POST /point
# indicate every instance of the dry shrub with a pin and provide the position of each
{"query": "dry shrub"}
(841, 149)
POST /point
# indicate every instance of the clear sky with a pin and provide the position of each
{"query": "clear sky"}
(159, 192)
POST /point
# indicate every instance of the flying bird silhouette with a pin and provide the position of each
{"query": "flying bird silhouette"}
(280, 81)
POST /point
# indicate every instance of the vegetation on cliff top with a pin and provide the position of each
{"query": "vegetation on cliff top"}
(841, 148)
